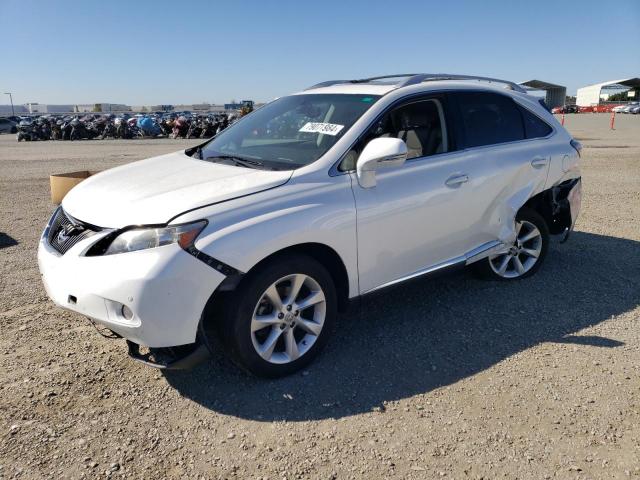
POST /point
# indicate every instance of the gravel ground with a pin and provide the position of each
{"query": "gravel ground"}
(446, 378)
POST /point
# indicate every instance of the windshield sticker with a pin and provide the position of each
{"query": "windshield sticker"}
(320, 127)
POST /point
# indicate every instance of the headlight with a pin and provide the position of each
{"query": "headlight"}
(143, 238)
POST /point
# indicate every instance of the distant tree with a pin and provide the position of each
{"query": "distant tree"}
(624, 96)
(97, 108)
(144, 109)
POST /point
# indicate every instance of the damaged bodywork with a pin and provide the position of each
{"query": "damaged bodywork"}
(560, 206)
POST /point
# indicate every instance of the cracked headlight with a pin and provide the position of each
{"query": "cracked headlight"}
(151, 237)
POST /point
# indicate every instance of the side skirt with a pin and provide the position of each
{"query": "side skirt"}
(483, 251)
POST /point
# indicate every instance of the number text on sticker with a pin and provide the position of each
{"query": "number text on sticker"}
(320, 127)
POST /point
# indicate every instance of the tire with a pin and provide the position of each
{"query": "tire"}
(251, 321)
(525, 256)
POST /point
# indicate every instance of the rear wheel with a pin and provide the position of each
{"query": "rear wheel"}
(525, 256)
(280, 317)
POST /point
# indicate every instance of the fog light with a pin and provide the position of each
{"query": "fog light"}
(126, 312)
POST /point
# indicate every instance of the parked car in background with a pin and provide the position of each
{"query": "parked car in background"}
(566, 109)
(629, 107)
(8, 126)
(261, 235)
(635, 110)
(619, 109)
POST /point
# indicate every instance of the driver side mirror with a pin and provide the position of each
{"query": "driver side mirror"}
(379, 153)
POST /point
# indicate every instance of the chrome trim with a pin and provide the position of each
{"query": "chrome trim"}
(419, 273)
(478, 253)
(483, 251)
(334, 172)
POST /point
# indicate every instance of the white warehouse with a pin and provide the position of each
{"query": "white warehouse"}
(592, 94)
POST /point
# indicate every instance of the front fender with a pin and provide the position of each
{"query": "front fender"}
(245, 231)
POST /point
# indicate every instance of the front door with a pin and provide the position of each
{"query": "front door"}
(416, 215)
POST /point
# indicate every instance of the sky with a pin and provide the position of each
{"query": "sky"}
(168, 52)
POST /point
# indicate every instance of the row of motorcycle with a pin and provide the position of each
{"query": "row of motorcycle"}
(101, 127)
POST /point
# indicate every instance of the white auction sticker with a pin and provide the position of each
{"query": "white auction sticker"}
(320, 127)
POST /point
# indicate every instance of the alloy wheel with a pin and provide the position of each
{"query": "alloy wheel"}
(288, 318)
(522, 255)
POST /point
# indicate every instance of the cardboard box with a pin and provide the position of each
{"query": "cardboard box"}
(63, 182)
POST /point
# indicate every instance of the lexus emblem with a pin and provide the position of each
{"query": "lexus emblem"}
(66, 231)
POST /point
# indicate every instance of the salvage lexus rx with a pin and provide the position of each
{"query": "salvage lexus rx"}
(258, 237)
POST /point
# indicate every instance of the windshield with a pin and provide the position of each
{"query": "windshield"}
(288, 133)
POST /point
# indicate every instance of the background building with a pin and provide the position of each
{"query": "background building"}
(102, 107)
(555, 95)
(594, 94)
(35, 107)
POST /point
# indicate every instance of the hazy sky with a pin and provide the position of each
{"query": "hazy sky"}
(149, 52)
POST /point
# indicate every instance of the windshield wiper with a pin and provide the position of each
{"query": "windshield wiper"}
(243, 162)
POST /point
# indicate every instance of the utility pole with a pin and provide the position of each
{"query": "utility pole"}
(13, 112)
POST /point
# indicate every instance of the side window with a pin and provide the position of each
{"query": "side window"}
(489, 118)
(420, 124)
(533, 126)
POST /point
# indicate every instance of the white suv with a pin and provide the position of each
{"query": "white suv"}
(261, 235)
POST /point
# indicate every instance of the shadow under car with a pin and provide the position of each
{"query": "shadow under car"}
(432, 333)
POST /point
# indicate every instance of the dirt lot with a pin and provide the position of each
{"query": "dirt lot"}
(447, 378)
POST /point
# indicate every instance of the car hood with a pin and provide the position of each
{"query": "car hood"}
(155, 190)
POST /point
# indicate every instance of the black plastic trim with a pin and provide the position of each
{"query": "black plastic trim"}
(214, 263)
(199, 354)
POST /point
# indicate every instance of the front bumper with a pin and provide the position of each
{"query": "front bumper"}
(165, 288)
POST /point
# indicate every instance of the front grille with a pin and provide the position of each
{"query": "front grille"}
(64, 233)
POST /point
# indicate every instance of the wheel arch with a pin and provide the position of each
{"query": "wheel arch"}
(327, 257)
(322, 253)
(553, 206)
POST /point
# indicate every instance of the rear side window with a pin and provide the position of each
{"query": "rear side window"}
(489, 118)
(533, 126)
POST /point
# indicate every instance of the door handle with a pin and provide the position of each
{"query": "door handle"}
(539, 162)
(456, 180)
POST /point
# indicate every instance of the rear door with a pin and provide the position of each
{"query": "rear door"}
(507, 158)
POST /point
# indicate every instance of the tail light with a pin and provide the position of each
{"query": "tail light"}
(577, 146)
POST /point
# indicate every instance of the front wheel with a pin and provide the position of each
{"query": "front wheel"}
(525, 255)
(280, 317)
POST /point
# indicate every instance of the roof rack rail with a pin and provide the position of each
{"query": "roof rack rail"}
(416, 78)
(361, 80)
(426, 77)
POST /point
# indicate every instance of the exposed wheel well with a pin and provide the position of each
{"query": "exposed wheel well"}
(541, 203)
(553, 206)
(324, 254)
